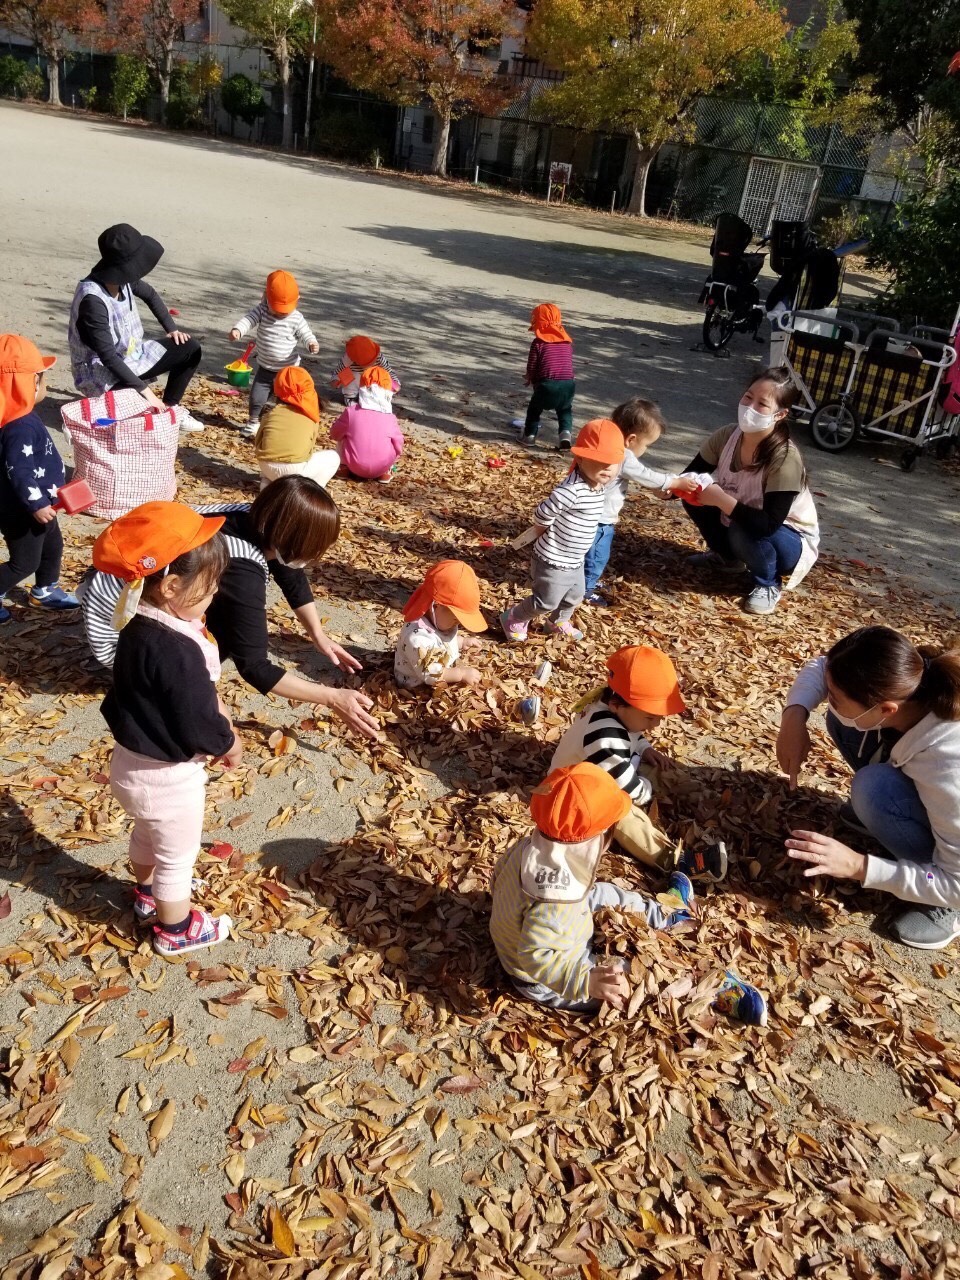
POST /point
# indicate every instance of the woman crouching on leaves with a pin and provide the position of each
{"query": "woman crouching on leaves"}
(758, 513)
(894, 714)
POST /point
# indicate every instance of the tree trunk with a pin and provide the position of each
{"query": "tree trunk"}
(164, 74)
(645, 157)
(53, 76)
(282, 59)
(441, 145)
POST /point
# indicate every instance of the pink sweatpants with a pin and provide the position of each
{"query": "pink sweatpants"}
(166, 802)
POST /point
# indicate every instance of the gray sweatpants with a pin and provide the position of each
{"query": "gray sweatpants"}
(261, 389)
(602, 894)
(555, 591)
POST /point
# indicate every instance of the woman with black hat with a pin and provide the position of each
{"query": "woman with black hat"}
(107, 344)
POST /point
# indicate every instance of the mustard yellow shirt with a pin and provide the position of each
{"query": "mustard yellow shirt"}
(286, 435)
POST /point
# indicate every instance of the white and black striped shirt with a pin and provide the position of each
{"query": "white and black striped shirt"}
(600, 737)
(571, 513)
(277, 336)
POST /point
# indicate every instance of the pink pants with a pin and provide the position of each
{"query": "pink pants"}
(166, 802)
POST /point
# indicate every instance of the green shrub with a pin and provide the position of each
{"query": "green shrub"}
(919, 247)
(185, 108)
(34, 84)
(344, 135)
(88, 97)
(242, 99)
(12, 75)
(130, 85)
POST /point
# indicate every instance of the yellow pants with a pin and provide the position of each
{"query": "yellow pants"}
(637, 836)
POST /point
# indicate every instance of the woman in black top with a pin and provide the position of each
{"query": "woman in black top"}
(289, 527)
(107, 344)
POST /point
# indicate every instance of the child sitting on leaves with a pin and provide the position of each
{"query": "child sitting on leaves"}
(428, 650)
(359, 353)
(641, 689)
(642, 425)
(566, 525)
(280, 328)
(287, 437)
(545, 891)
(367, 435)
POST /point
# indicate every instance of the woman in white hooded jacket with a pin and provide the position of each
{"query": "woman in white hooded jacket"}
(894, 714)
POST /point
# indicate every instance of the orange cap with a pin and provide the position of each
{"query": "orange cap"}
(283, 294)
(454, 585)
(362, 350)
(20, 359)
(578, 802)
(150, 537)
(600, 441)
(377, 376)
(646, 679)
(294, 386)
(546, 323)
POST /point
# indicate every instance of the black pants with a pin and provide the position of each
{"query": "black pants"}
(34, 548)
(179, 361)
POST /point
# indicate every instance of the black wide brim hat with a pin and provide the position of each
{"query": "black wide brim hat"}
(125, 255)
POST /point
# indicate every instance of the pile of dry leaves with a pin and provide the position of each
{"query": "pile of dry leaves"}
(389, 1109)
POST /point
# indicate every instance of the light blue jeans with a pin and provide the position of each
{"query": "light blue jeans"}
(598, 556)
(601, 895)
(883, 797)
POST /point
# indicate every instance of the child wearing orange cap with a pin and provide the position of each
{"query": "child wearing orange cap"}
(550, 373)
(287, 438)
(163, 709)
(31, 472)
(545, 891)
(565, 524)
(428, 650)
(641, 689)
(367, 435)
(279, 329)
(359, 354)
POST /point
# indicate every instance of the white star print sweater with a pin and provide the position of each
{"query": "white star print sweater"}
(31, 470)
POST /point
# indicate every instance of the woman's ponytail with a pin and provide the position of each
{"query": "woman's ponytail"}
(939, 689)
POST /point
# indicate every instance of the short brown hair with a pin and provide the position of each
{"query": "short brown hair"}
(296, 517)
(878, 664)
(637, 417)
(200, 571)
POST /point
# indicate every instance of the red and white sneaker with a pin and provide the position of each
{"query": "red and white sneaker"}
(145, 905)
(204, 930)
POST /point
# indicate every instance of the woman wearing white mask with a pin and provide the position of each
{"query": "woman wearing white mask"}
(758, 512)
(894, 714)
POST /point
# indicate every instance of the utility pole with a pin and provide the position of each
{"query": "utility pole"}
(310, 66)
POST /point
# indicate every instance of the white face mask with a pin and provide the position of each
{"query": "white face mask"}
(751, 422)
(853, 722)
(290, 564)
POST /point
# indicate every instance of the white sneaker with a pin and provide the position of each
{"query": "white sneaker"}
(249, 429)
(187, 422)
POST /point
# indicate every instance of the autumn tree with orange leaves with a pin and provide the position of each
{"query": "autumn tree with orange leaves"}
(48, 24)
(410, 51)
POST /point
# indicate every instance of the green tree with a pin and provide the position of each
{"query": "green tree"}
(242, 99)
(408, 51)
(917, 247)
(150, 29)
(49, 24)
(638, 66)
(130, 84)
(282, 28)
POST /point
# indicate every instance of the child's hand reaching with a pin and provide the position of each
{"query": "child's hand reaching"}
(313, 347)
(683, 484)
(234, 335)
(471, 642)
(233, 757)
(657, 759)
(462, 675)
(608, 982)
(43, 515)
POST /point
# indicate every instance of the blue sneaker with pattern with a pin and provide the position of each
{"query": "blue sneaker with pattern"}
(741, 1000)
(53, 598)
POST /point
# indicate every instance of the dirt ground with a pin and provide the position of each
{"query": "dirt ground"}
(343, 1090)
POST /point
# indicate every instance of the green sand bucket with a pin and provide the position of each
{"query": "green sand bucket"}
(239, 372)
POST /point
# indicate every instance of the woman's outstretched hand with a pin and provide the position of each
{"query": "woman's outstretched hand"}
(353, 709)
(827, 857)
(793, 742)
(337, 654)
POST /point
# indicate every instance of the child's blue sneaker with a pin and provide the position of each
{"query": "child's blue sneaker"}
(678, 899)
(5, 614)
(597, 599)
(741, 1000)
(54, 598)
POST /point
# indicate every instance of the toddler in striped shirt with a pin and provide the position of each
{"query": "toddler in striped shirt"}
(565, 525)
(641, 689)
(280, 328)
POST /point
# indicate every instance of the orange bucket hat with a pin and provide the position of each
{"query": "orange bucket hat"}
(600, 441)
(454, 585)
(283, 293)
(546, 323)
(294, 386)
(646, 679)
(20, 360)
(377, 376)
(578, 803)
(361, 350)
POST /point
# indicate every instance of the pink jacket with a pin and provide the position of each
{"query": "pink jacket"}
(370, 442)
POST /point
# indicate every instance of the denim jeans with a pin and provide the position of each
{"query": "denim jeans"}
(883, 797)
(598, 556)
(769, 559)
(601, 895)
